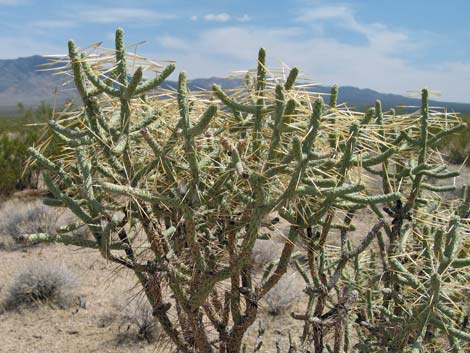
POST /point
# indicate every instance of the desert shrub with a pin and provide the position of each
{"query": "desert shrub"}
(16, 135)
(287, 292)
(7, 242)
(265, 252)
(456, 148)
(199, 172)
(43, 283)
(13, 157)
(138, 315)
(19, 217)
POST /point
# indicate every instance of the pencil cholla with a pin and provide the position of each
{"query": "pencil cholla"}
(177, 186)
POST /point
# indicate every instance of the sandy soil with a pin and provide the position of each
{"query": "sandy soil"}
(95, 328)
(99, 325)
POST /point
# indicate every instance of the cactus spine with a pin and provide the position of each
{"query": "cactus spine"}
(200, 176)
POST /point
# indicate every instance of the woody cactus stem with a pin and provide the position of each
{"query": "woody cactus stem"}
(201, 174)
(441, 264)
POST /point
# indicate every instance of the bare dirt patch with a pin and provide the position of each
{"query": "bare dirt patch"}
(93, 324)
(99, 320)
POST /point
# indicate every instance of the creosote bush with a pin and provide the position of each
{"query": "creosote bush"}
(41, 283)
(204, 173)
(16, 135)
(13, 157)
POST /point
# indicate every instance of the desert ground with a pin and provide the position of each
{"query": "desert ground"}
(106, 312)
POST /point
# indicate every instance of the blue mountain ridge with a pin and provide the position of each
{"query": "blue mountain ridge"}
(22, 82)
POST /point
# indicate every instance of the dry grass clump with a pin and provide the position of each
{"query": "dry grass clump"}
(288, 290)
(6, 242)
(19, 217)
(284, 294)
(265, 252)
(41, 283)
(138, 320)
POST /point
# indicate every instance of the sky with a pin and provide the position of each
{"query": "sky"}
(392, 46)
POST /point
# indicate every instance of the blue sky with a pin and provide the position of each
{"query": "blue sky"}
(391, 46)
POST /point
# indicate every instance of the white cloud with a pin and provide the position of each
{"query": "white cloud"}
(244, 18)
(121, 15)
(217, 17)
(103, 16)
(172, 42)
(378, 35)
(325, 13)
(222, 17)
(381, 62)
(324, 60)
(52, 24)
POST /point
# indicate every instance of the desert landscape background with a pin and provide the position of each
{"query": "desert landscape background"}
(363, 159)
(98, 306)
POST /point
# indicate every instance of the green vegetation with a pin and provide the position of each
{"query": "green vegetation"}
(17, 133)
(457, 146)
(13, 156)
(205, 175)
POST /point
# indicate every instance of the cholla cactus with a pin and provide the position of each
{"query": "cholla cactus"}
(202, 176)
(401, 299)
(425, 298)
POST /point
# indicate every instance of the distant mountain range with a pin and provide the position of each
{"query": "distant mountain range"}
(20, 81)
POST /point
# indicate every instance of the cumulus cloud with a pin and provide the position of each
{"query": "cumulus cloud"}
(122, 15)
(244, 18)
(217, 17)
(53, 24)
(380, 62)
(172, 42)
(103, 16)
(378, 35)
(324, 60)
